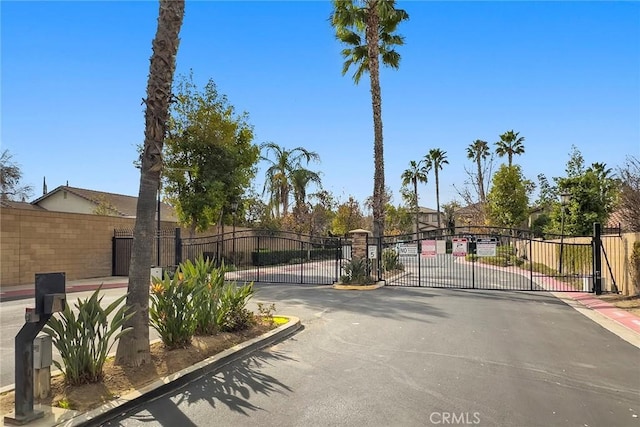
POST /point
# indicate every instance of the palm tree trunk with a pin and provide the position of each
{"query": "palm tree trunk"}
(376, 102)
(133, 348)
(437, 195)
(480, 181)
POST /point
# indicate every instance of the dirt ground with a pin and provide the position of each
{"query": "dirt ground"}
(120, 380)
(629, 303)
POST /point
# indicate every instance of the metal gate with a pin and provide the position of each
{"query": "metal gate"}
(250, 256)
(488, 258)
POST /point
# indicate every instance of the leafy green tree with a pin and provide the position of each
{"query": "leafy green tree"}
(281, 172)
(417, 172)
(593, 197)
(479, 152)
(398, 220)
(348, 217)
(323, 210)
(548, 193)
(367, 28)
(508, 198)
(10, 177)
(209, 156)
(510, 144)
(435, 160)
(133, 348)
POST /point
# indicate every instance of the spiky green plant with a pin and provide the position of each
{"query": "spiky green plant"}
(84, 341)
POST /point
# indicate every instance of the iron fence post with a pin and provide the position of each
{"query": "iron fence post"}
(178, 251)
(597, 258)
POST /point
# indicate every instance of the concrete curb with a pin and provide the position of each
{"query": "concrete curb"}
(104, 413)
(342, 287)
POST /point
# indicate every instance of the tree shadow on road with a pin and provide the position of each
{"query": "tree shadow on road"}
(233, 386)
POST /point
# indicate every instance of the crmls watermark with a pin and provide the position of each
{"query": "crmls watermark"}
(455, 418)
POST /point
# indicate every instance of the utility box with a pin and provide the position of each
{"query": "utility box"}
(42, 351)
(156, 272)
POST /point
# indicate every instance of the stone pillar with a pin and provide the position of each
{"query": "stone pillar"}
(359, 242)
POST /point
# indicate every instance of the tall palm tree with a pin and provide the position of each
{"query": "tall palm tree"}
(279, 174)
(375, 22)
(300, 181)
(435, 160)
(133, 348)
(510, 143)
(479, 151)
(417, 172)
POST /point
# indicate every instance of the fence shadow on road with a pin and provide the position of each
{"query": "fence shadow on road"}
(515, 296)
(411, 304)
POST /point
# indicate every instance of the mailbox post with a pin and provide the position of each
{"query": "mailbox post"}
(50, 298)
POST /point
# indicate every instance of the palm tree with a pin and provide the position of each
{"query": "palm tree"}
(417, 172)
(509, 145)
(281, 170)
(376, 20)
(133, 348)
(300, 180)
(436, 159)
(479, 151)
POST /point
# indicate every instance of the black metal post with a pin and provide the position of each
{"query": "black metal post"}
(24, 412)
(233, 252)
(597, 258)
(561, 240)
(178, 244)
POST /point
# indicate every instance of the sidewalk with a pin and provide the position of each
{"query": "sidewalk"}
(12, 293)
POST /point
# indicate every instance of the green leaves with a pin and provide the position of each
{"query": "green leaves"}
(350, 23)
(508, 197)
(356, 272)
(197, 301)
(209, 155)
(83, 340)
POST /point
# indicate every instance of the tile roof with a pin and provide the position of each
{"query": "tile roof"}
(122, 205)
(18, 205)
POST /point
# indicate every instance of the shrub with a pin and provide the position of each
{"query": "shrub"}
(208, 282)
(232, 312)
(172, 311)
(391, 260)
(494, 260)
(357, 271)
(83, 341)
(505, 250)
(263, 256)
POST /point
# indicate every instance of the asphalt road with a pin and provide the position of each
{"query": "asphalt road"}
(416, 357)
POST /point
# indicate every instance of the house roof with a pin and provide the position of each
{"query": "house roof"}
(471, 209)
(18, 205)
(121, 204)
(426, 210)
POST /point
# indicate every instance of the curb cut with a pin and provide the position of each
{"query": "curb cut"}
(171, 382)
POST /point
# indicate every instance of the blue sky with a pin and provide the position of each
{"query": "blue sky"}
(560, 73)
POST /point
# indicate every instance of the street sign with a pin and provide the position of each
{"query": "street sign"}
(407, 249)
(486, 247)
(428, 249)
(372, 252)
(459, 247)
